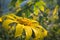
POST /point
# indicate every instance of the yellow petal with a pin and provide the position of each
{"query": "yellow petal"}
(28, 31)
(6, 23)
(19, 30)
(0, 19)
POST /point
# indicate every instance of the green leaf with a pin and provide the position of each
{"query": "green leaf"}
(13, 2)
(39, 6)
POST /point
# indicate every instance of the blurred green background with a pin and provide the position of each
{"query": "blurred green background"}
(46, 12)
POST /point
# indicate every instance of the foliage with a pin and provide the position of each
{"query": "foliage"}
(24, 15)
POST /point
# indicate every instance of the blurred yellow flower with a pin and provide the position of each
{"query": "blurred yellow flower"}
(31, 27)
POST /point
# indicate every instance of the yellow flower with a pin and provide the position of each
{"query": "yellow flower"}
(20, 25)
